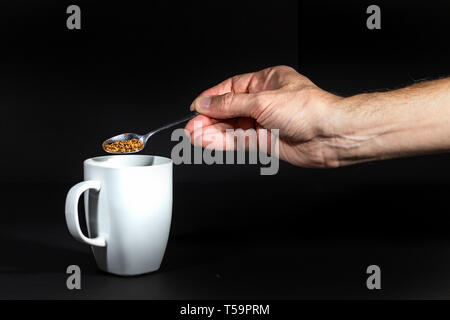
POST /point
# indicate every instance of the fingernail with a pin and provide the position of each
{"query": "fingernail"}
(203, 103)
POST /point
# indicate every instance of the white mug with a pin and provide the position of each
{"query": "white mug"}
(128, 206)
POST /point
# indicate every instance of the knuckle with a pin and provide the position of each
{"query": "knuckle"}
(234, 80)
(259, 101)
(284, 69)
(226, 102)
(263, 107)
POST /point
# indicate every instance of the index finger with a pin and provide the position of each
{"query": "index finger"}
(245, 83)
(237, 84)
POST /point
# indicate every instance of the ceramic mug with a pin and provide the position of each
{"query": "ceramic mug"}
(128, 207)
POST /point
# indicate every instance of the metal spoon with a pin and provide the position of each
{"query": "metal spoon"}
(144, 138)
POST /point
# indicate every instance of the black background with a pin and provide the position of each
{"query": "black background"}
(235, 234)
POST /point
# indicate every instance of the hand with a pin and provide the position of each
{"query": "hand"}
(274, 98)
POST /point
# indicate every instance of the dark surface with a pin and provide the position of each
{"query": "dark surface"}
(299, 234)
(235, 249)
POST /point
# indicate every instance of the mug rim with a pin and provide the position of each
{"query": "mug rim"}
(91, 161)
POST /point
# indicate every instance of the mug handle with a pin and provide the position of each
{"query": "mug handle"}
(73, 223)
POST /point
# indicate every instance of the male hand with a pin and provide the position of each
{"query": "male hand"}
(274, 98)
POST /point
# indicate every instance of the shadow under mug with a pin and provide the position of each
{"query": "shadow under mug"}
(128, 207)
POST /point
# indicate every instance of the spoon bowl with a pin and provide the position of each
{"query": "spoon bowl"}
(124, 137)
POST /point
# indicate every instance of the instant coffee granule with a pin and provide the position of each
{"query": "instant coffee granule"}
(132, 145)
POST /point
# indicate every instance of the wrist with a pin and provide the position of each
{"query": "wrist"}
(358, 129)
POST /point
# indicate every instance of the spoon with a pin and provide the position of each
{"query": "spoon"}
(143, 138)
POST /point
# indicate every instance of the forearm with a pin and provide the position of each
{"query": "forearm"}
(405, 122)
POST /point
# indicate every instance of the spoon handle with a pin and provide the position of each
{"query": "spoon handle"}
(192, 115)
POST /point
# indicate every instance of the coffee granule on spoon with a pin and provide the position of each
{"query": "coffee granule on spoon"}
(127, 146)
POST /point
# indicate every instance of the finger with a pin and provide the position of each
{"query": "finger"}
(214, 137)
(237, 84)
(244, 83)
(199, 122)
(217, 137)
(202, 122)
(226, 106)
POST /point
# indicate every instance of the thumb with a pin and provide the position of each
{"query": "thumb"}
(229, 105)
